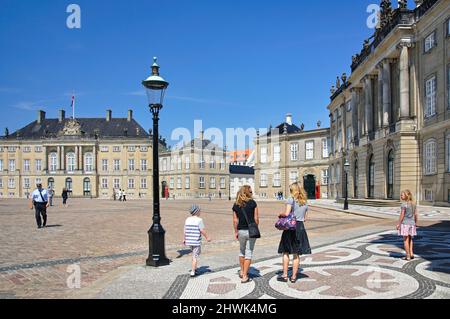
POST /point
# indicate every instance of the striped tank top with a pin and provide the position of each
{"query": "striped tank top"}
(192, 235)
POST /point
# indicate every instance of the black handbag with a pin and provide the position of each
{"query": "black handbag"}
(253, 228)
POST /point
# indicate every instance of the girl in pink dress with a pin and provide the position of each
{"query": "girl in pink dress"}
(407, 226)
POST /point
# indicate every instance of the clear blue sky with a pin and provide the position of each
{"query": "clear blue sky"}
(231, 63)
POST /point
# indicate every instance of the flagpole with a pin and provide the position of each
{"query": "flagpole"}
(73, 105)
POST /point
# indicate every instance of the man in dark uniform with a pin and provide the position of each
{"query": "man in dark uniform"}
(39, 201)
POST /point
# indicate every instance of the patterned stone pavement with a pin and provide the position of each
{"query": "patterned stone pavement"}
(370, 267)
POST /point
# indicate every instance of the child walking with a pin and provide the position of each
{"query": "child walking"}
(194, 228)
(407, 226)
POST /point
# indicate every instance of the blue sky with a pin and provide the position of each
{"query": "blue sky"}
(230, 63)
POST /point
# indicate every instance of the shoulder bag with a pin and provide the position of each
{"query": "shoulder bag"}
(253, 228)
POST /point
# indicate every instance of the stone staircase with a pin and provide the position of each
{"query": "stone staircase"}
(371, 202)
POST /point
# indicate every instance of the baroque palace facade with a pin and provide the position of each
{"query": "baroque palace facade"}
(91, 157)
(391, 118)
(198, 169)
(288, 154)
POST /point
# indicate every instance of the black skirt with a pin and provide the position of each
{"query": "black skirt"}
(295, 241)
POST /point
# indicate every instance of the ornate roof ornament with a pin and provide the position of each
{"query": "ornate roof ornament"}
(403, 4)
(385, 13)
(71, 128)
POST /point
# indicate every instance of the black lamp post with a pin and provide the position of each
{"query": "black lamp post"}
(156, 87)
(346, 169)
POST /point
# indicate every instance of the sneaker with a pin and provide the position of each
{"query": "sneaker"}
(193, 274)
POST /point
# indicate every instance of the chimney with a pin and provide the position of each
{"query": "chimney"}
(289, 118)
(108, 115)
(41, 117)
(130, 115)
(62, 115)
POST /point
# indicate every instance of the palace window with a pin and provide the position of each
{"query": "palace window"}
(339, 140)
(104, 183)
(26, 183)
(293, 177)
(187, 182)
(104, 165)
(38, 165)
(12, 149)
(143, 183)
(447, 24)
(310, 150)
(53, 162)
(131, 149)
(276, 180)
(325, 177)
(294, 152)
(1, 165)
(172, 164)
(144, 149)
(179, 164)
(1, 182)
(164, 165)
(430, 157)
(12, 165)
(212, 183)
(202, 162)
(263, 150)
(38, 149)
(263, 182)
(104, 149)
(338, 174)
(187, 162)
(348, 136)
(89, 162)
(212, 163)
(27, 149)
(11, 183)
(131, 183)
(116, 165)
(202, 182)
(116, 183)
(116, 149)
(430, 97)
(428, 195)
(277, 153)
(325, 151)
(222, 164)
(430, 42)
(71, 162)
(144, 165)
(26, 165)
(223, 183)
(131, 165)
(179, 183)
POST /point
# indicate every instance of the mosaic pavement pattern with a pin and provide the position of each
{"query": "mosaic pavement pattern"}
(369, 267)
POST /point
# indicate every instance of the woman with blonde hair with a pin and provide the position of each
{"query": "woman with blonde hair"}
(407, 225)
(294, 242)
(245, 212)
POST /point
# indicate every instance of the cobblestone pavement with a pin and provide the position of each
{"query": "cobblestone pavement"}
(106, 238)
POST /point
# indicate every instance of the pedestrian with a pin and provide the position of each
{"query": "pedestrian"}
(65, 196)
(124, 196)
(407, 225)
(51, 193)
(245, 212)
(194, 229)
(39, 201)
(114, 194)
(209, 196)
(294, 242)
(120, 195)
(220, 195)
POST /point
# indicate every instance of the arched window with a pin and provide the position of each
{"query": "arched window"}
(355, 179)
(371, 177)
(53, 162)
(71, 162)
(86, 187)
(390, 175)
(430, 157)
(69, 184)
(88, 162)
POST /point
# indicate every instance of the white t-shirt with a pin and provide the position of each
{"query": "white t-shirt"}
(36, 196)
(192, 228)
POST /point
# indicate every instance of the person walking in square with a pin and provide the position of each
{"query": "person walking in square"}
(294, 242)
(124, 196)
(65, 196)
(51, 193)
(407, 225)
(39, 201)
(194, 229)
(245, 212)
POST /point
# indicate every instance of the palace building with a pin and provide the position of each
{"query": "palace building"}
(91, 157)
(390, 119)
(198, 169)
(289, 154)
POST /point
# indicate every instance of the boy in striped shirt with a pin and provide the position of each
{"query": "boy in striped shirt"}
(194, 228)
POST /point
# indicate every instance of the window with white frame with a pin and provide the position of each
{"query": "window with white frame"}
(294, 152)
(1, 165)
(428, 195)
(212, 183)
(349, 136)
(223, 183)
(222, 164)
(263, 181)
(131, 183)
(324, 177)
(131, 149)
(143, 183)
(277, 153)
(53, 162)
(172, 164)
(293, 177)
(144, 165)
(12, 149)
(187, 162)
(172, 183)
(104, 165)
(116, 149)
(131, 165)
(26, 183)
(309, 150)
(212, 163)
(116, 183)
(116, 165)
(38, 165)
(179, 163)
(26, 165)
(430, 157)
(1, 182)
(202, 162)
(104, 183)
(339, 139)
(325, 151)
(179, 183)
(11, 182)
(164, 164)
(144, 149)
(430, 97)
(187, 182)
(71, 162)
(263, 157)
(89, 162)
(430, 42)
(201, 182)
(12, 165)
(104, 149)
(27, 149)
(38, 149)
(276, 179)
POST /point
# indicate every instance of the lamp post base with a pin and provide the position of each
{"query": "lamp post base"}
(157, 255)
(346, 205)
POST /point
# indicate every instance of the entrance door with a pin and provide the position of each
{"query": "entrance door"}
(87, 187)
(309, 183)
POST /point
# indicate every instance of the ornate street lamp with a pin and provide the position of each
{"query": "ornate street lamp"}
(156, 87)
(346, 169)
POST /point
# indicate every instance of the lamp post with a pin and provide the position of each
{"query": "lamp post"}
(155, 87)
(346, 169)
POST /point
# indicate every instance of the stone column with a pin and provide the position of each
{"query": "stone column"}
(80, 158)
(361, 122)
(94, 156)
(380, 96)
(404, 79)
(59, 157)
(354, 105)
(45, 166)
(386, 92)
(63, 158)
(76, 159)
(368, 104)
